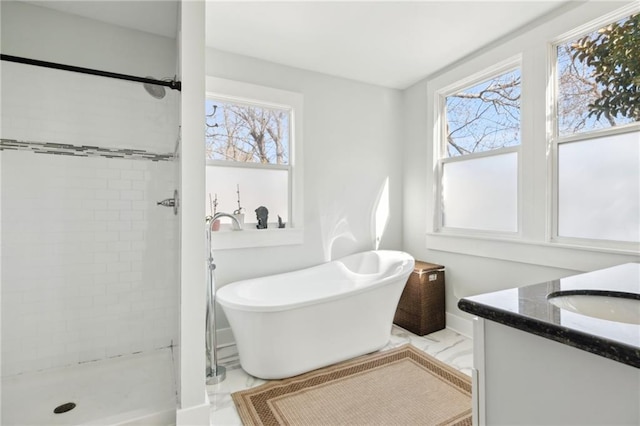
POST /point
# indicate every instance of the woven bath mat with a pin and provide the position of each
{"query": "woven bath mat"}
(403, 386)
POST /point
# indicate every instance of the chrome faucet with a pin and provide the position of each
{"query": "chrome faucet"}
(209, 221)
(221, 214)
(215, 373)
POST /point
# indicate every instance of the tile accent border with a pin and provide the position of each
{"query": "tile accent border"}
(82, 150)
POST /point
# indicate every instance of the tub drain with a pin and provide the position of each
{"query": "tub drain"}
(64, 408)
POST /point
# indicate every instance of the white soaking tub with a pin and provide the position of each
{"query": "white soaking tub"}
(294, 322)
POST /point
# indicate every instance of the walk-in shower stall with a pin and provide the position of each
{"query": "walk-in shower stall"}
(89, 260)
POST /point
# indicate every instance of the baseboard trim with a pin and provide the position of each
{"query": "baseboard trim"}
(198, 415)
(167, 417)
(460, 325)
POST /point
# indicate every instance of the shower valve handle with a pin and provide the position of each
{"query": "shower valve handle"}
(169, 202)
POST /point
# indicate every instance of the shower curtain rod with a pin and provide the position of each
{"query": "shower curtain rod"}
(172, 84)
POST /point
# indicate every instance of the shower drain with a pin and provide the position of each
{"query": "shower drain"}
(64, 408)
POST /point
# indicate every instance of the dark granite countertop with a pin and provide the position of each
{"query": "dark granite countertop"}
(528, 309)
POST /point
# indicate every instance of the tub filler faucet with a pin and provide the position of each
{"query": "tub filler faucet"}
(210, 220)
(215, 373)
(232, 217)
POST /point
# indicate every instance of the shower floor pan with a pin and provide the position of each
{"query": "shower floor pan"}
(128, 390)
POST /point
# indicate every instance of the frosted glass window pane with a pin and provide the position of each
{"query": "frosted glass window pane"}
(599, 188)
(481, 193)
(258, 187)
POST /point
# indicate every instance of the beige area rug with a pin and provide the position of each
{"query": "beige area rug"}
(403, 386)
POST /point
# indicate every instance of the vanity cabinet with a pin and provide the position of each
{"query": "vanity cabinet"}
(538, 364)
(524, 379)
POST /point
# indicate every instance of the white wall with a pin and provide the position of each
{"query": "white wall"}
(352, 144)
(194, 404)
(54, 106)
(98, 111)
(45, 34)
(89, 268)
(477, 265)
(89, 261)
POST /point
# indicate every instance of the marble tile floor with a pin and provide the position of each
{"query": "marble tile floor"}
(445, 345)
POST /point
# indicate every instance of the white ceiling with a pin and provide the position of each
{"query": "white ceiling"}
(392, 44)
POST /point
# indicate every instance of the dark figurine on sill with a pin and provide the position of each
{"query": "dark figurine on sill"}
(262, 214)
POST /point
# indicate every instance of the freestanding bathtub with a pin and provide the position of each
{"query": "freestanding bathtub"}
(291, 323)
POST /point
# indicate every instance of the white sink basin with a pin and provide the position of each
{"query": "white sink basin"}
(619, 309)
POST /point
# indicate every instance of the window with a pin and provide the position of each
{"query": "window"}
(571, 168)
(247, 148)
(596, 134)
(480, 139)
(247, 133)
(253, 154)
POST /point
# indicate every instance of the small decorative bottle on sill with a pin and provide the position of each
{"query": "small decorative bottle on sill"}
(239, 213)
(213, 207)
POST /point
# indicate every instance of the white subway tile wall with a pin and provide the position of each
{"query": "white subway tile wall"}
(47, 105)
(89, 261)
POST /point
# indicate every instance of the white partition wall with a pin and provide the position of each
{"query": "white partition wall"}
(194, 407)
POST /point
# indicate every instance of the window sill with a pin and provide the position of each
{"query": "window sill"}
(253, 238)
(557, 255)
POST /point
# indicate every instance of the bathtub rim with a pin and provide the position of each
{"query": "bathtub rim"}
(407, 267)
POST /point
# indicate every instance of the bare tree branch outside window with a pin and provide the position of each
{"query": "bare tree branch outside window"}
(485, 116)
(598, 88)
(246, 133)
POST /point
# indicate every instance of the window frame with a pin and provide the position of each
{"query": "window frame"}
(554, 140)
(250, 165)
(254, 95)
(441, 158)
(534, 245)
